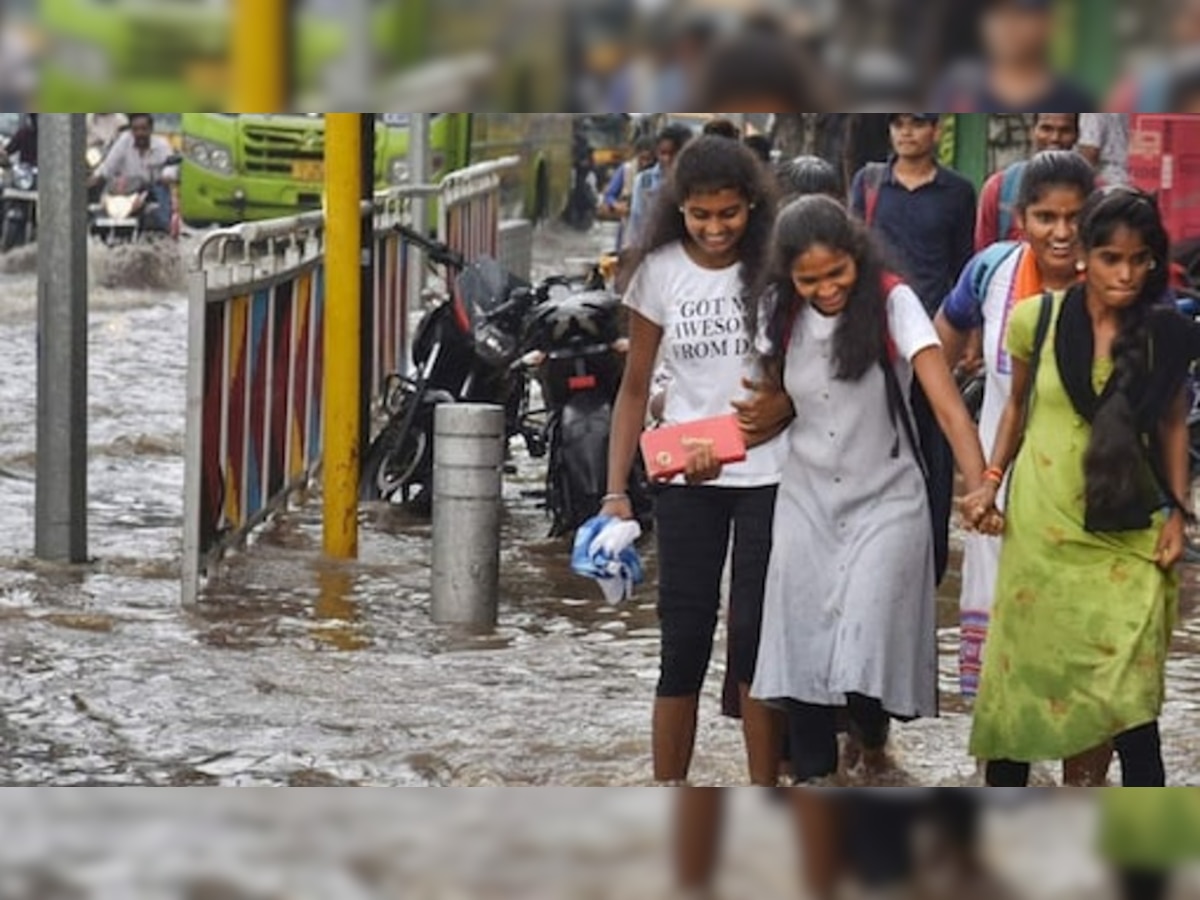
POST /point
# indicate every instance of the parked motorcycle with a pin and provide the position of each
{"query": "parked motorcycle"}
(577, 353)
(20, 203)
(466, 349)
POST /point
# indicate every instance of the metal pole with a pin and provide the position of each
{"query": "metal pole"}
(366, 269)
(468, 456)
(61, 493)
(343, 314)
(418, 173)
(261, 58)
(193, 454)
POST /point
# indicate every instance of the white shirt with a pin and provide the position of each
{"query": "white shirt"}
(706, 348)
(1108, 133)
(125, 160)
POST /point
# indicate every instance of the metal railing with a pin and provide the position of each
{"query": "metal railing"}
(469, 218)
(256, 367)
(255, 394)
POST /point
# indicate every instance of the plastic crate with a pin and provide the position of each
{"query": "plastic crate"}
(1164, 158)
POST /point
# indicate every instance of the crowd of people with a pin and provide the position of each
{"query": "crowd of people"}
(833, 327)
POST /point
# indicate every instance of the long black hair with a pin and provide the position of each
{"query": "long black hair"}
(1115, 450)
(818, 220)
(707, 165)
(1052, 169)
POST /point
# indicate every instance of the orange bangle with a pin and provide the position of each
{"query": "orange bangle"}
(994, 474)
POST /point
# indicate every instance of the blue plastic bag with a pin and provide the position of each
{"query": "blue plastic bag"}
(604, 552)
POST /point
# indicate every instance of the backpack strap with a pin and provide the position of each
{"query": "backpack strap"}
(1045, 311)
(1010, 188)
(1039, 341)
(898, 409)
(984, 268)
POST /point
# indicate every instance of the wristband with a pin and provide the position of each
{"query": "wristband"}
(993, 474)
(612, 498)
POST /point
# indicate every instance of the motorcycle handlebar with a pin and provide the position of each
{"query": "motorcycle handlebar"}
(437, 251)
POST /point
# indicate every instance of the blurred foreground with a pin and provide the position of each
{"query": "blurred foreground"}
(462, 845)
(585, 55)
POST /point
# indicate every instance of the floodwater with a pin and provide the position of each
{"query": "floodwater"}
(293, 670)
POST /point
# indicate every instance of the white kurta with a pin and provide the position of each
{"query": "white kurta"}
(851, 593)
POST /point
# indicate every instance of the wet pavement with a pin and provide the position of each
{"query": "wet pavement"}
(293, 670)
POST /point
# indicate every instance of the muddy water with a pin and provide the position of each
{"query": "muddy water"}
(297, 671)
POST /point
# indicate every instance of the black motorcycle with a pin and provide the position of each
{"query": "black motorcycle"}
(20, 207)
(577, 353)
(466, 349)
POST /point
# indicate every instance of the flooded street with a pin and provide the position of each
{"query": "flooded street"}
(297, 671)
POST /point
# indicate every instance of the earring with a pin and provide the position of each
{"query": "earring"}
(1080, 266)
(1153, 264)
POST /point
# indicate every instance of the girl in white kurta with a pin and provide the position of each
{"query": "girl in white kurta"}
(849, 614)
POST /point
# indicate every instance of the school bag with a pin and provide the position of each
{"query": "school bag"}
(1010, 187)
(901, 417)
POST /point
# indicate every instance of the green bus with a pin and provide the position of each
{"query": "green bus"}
(175, 54)
(241, 167)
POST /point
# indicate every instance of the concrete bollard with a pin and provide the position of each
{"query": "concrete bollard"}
(468, 460)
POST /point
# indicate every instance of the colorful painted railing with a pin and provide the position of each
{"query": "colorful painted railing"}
(255, 392)
(469, 219)
(256, 367)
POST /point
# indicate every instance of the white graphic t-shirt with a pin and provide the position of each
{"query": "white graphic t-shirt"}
(706, 348)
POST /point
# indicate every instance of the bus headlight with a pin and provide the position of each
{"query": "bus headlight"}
(398, 170)
(208, 155)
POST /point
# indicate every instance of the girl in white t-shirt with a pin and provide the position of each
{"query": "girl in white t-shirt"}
(688, 297)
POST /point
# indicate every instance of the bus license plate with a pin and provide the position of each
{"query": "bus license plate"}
(308, 170)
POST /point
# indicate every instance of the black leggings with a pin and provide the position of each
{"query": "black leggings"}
(813, 730)
(693, 525)
(1140, 751)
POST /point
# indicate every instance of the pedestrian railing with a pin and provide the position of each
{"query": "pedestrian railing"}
(469, 219)
(255, 391)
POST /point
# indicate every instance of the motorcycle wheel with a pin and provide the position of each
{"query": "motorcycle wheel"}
(13, 235)
(394, 460)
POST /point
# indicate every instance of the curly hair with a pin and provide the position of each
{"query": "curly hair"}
(1113, 461)
(818, 220)
(707, 165)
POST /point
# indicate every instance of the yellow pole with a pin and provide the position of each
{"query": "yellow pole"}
(260, 56)
(343, 319)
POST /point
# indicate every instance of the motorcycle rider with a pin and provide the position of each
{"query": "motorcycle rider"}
(140, 162)
(23, 144)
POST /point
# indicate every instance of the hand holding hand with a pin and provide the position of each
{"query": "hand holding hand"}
(978, 509)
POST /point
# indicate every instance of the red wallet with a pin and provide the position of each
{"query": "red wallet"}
(665, 450)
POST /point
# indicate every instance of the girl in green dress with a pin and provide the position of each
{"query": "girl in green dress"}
(1087, 592)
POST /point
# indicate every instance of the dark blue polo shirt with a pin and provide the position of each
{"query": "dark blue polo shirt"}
(930, 231)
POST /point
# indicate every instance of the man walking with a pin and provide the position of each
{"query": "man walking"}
(997, 220)
(926, 214)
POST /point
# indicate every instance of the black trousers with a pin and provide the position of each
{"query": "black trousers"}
(813, 733)
(1140, 751)
(693, 525)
